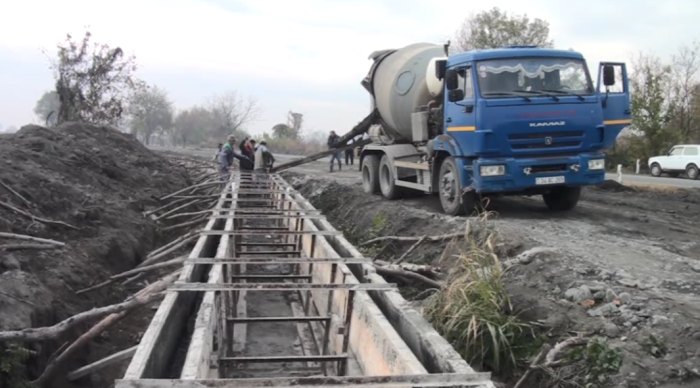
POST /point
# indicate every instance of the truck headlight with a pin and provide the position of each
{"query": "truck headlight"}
(492, 170)
(596, 164)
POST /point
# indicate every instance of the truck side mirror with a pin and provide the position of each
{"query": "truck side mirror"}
(608, 75)
(456, 95)
(440, 68)
(451, 79)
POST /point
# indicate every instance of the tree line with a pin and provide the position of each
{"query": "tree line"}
(96, 83)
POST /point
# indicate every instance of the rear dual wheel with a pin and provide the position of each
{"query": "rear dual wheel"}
(370, 174)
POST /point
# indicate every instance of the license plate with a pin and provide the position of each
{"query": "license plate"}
(550, 180)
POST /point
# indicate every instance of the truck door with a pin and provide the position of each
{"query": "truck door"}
(615, 99)
(460, 115)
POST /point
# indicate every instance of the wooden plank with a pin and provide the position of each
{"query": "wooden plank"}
(158, 343)
(267, 233)
(279, 260)
(97, 365)
(208, 287)
(201, 344)
(278, 319)
(425, 380)
(290, 358)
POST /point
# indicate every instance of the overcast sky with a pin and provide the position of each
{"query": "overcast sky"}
(303, 55)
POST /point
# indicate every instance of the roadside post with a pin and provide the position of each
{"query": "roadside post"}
(619, 173)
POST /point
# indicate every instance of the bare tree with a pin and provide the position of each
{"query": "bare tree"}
(683, 91)
(495, 29)
(232, 112)
(93, 81)
(151, 112)
(192, 125)
(294, 122)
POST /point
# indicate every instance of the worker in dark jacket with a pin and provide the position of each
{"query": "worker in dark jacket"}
(350, 154)
(333, 139)
(226, 157)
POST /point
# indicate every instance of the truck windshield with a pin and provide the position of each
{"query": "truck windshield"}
(535, 76)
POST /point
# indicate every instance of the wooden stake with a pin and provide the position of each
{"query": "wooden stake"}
(411, 249)
(31, 238)
(143, 297)
(26, 202)
(173, 248)
(35, 218)
(402, 238)
(384, 271)
(55, 331)
(193, 187)
(100, 364)
(18, 247)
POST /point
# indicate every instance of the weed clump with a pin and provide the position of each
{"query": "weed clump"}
(474, 311)
(13, 364)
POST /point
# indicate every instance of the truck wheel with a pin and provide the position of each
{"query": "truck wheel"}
(453, 201)
(387, 182)
(562, 198)
(656, 170)
(370, 174)
(692, 171)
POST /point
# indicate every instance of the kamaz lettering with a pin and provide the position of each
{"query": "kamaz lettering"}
(549, 124)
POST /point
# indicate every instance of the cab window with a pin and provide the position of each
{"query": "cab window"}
(678, 151)
(690, 151)
(465, 82)
(619, 86)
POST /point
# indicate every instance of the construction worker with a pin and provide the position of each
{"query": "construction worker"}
(226, 157)
(333, 139)
(350, 154)
(263, 158)
(216, 156)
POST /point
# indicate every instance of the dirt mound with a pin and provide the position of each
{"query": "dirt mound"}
(611, 185)
(94, 178)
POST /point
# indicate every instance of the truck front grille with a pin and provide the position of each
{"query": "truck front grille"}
(529, 141)
(548, 168)
(543, 145)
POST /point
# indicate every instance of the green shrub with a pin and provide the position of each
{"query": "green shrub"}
(13, 366)
(474, 311)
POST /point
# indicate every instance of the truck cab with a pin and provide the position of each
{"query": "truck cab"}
(512, 121)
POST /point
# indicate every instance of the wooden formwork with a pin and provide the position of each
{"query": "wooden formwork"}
(344, 336)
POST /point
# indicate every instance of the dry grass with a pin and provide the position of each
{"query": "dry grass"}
(474, 311)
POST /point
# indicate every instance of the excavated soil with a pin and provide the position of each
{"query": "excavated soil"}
(99, 180)
(638, 247)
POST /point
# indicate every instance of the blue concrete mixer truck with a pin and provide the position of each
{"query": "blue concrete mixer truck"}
(512, 121)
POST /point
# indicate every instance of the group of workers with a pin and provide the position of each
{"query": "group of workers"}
(333, 140)
(259, 159)
(254, 158)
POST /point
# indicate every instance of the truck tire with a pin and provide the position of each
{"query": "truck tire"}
(453, 201)
(656, 170)
(387, 180)
(692, 171)
(370, 174)
(562, 198)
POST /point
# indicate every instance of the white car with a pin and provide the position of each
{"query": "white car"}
(681, 158)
